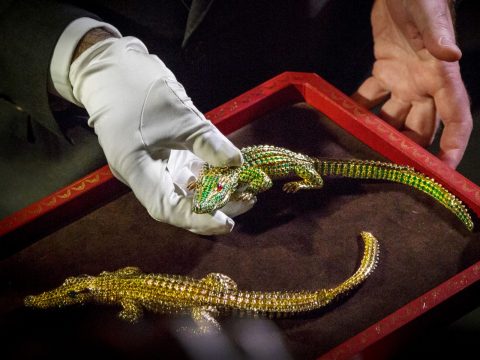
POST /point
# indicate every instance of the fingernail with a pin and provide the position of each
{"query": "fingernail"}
(447, 41)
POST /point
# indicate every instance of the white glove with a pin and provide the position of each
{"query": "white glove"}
(140, 112)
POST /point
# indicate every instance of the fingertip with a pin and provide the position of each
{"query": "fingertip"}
(451, 157)
(234, 156)
(224, 224)
(446, 49)
(229, 224)
(450, 45)
(370, 93)
(176, 210)
(423, 140)
(360, 100)
(217, 224)
(217, 150)
(434, 21)
(236, 208)
(441, 44)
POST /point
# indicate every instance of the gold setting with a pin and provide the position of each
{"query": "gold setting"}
(263, 163)
(203, 299)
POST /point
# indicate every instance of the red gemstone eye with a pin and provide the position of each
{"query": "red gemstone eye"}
(219, 187)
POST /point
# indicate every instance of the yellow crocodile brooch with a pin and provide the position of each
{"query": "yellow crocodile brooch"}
(215, 186)
(203, 299)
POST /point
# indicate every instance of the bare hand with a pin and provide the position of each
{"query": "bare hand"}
(417, 71)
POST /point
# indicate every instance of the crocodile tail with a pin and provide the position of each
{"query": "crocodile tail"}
(367, 265)
(377, 170)
(285, 303)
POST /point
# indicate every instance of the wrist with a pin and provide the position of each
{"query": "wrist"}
(90, 38)
(68, 43)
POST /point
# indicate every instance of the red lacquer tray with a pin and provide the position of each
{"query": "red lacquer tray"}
(375, 341)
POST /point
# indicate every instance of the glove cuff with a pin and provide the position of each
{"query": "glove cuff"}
(103, 56)
(62, 56)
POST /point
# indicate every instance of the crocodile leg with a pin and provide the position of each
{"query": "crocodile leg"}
(131, 312)
(257, 181)
(204, 318)
(219, 282)
(311, 179)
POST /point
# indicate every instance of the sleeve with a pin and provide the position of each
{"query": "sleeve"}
(29, 32)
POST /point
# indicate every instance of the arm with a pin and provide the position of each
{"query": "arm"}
(151, 133)
(147, 126)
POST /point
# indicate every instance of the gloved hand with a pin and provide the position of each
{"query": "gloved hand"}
(140, 113)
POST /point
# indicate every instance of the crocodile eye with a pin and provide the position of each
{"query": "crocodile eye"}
(72, 294)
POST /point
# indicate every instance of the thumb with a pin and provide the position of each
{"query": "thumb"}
(433, 19)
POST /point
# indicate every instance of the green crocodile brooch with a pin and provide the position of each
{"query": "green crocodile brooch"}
(215, 186)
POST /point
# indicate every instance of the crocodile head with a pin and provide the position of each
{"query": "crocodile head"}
(214, 187)
(74, 290)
